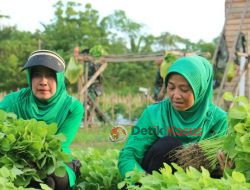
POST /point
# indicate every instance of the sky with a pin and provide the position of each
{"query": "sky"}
(191, 19)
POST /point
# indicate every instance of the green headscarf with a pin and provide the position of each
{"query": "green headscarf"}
(54, 110)
(203, 114)
(199, 74)
(25, 105)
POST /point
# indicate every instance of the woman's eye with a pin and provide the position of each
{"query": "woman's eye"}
(184, 90)
(36, 75)
(50, 75)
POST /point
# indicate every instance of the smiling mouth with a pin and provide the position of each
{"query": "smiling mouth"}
(177, 103)
(43, 91)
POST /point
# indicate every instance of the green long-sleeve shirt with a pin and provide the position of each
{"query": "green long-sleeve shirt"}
(154, 124)
(68, 125)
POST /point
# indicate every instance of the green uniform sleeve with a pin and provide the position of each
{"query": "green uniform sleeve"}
(139, 141)
(69, 129)
(71, 125)
(71, 175)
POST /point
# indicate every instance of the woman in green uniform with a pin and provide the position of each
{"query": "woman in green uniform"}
(46, 99)
(186, 116)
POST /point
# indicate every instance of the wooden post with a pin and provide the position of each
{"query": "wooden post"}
(248, 67)
(242, 81)
(248, 81)
(79, 87)
(86, 69)
(91, 115)
(99, 113)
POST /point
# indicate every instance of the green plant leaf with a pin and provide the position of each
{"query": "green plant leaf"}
(60, 171)
(121, 184)
(228, 96)
(243, 100)
(45, 187)
(239, 128)
(239, 177)
(3, 115)
(52, 129)
(229, 145)
(237, 112)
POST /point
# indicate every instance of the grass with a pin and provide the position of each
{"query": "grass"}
(130, 106)
(96, 137)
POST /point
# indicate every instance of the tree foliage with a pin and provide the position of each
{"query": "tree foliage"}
(72, 26)
(15, 46)
(76, 25)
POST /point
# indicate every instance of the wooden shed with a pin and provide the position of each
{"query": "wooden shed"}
(237, 21)
(235, 40)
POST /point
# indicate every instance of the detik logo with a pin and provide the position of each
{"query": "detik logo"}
(118, 134)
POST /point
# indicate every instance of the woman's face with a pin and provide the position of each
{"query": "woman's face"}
(43, 81)
(180, 92)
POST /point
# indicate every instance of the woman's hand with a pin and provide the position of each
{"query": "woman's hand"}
(224, 161)
(50, 182)
(62, 183)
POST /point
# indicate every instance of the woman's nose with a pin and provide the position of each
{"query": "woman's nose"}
(43, 80)
(176, 94)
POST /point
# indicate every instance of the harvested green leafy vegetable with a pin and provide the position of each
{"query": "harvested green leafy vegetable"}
(97, 51)
(30, 148)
